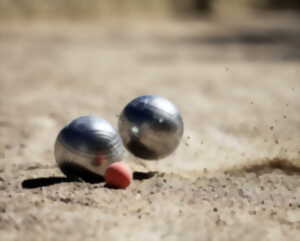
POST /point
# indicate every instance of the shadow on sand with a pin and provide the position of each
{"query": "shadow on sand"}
(93, 179)
(45, 182)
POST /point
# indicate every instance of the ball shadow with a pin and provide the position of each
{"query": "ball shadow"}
(45, 182)
(74, 173)
(143, 175)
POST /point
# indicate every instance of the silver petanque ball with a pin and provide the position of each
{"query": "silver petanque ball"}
(151, 127)
(87, 146)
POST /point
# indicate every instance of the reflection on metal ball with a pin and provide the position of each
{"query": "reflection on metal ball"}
(151, 127)
(87, 146)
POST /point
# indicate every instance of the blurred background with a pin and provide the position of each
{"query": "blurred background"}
(95, 9)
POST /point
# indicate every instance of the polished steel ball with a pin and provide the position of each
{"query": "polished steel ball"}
(151, 127)
(87, 146)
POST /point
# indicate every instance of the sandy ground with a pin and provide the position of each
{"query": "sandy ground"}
(234, 177)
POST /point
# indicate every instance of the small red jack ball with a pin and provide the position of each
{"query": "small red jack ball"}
(118, 175)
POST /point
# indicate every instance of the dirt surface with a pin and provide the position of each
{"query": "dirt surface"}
(234, 177)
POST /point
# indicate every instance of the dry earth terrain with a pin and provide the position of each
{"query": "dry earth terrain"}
(234, 177)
